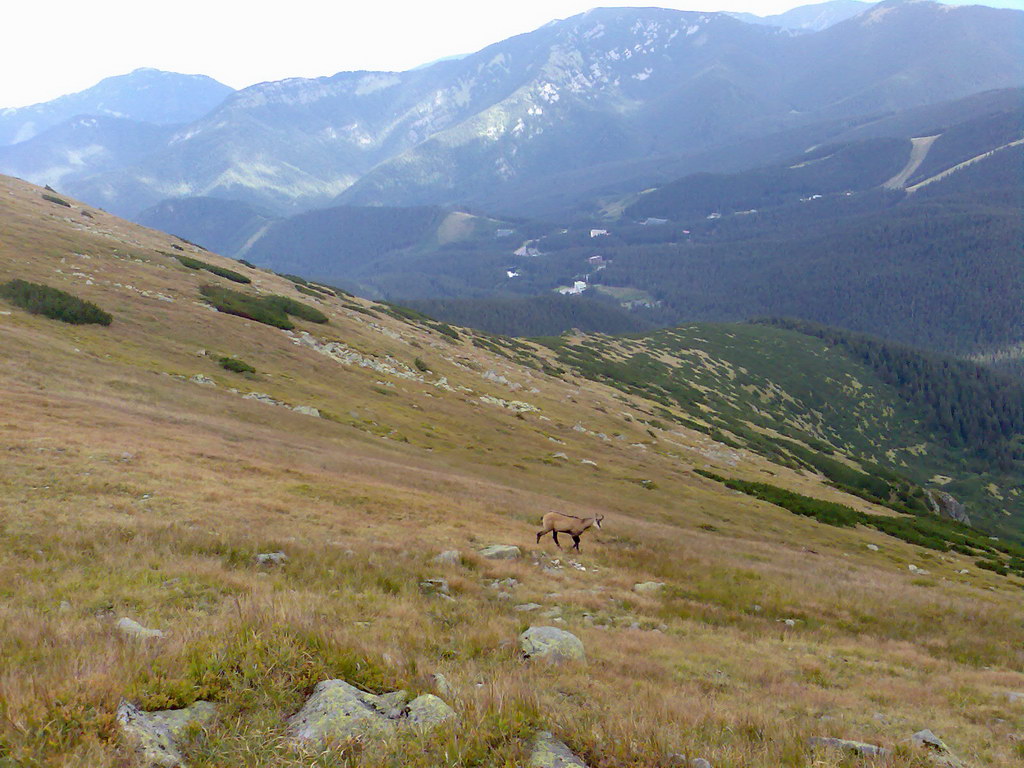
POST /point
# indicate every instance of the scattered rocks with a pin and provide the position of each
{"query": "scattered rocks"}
(154, 735)
(271, 558)
(527, 607)
(449, 557)
(551, 644)
(307, 410)
(549, 752)
(501, 552)
(338, 711)
(132, 628)
(203, 381)
(919, 571)
(847, 745)
(649, 587)
(513, 405)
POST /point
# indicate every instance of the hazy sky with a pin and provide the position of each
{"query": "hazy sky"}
(52, 47)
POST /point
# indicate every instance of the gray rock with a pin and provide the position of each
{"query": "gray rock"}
(203, 381)
(944, 505)
(272, 558)
(428, 711)
(677, 759)
(549, 752)
(338, 711)
(551, 644)
(940, 754)
(699, 762)
(442, 685)
(307, 410)
(1014, 697)
(64, 606)
(872, 547)
(847, 745)
(134, 629)
(649, 587)
(153, 736)
(501, 552)
(449, 557)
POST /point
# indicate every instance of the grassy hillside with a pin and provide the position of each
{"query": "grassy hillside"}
(139, 481)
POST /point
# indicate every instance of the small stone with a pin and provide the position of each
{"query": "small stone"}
(649, 587)
(551, 644)
(307, 410)
(442, 685)
(1012, 696)
(65, 606)
(428, 711)
(272, 558)
(858, 747)
(501, 552)
(756, 608)
(434, 586)
(526, 607)
(134, 629)
(790, 622)
(449, 557)
(549, 752)
(588, 462)
(873, 547)
(203, 381)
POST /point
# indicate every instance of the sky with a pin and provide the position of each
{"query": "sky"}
(55, 47)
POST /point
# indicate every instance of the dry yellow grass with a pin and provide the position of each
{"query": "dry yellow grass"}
(127, 490)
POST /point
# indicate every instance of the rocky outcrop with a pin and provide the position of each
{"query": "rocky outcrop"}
(549, 752)
(940, 754)
(154, 736)
(338, 711)
(944, 505)
(551, 644)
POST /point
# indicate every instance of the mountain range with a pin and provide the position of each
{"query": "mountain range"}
(594, 94)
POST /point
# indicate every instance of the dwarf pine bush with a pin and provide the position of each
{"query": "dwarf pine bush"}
(53, 303)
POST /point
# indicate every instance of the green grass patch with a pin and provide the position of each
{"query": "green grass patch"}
(53, 303)
(236, 365)
(229, 274)
(269, 310)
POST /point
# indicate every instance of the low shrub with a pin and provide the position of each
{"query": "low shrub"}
(236, 365)
(420, 365)
(269, 310)
(229, 274)
(53, 303)
(57, 200)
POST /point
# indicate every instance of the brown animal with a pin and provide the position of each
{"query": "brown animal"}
(556, 523)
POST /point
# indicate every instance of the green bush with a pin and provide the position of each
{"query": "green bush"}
(51, 302)
(236, 365)
(270, 310)
(230, 274)
(420, 365)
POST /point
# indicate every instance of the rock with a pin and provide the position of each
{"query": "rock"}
(134, 629)
(508, 583)
(944, 505)
(428, 711)
(859, 747)
(549, 752)
(676, 759)
(551, 644)
(154, 735)
(434, 586)
(449, 557)
(526, 607)
(1013, 697)
(501, 552)
(203, 381)
(649, 587)
(307, 410)
(919, 571)
(873, 547)
(699, 762)
(442, 685)
(940, 754)
(65, 606)
(338, 711)
(588, 462)
(790, 622)
(272, 558)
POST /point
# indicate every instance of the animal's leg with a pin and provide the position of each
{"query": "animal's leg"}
(576, 543)
(539, 534)
(554, 534)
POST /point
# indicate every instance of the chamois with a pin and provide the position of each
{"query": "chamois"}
(556, 523)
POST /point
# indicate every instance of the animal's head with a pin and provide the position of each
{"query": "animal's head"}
(598, 519)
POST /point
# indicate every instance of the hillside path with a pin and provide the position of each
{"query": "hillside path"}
(918, 152)
(961, 166)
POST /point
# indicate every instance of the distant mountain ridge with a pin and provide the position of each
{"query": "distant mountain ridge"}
(809, 18)
(144, 95)
(611, 86)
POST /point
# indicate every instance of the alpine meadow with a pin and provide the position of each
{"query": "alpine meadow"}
(643, 390)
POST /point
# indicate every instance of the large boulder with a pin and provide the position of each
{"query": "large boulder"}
(945, 505)
(549, 752)
(551, 644)
(501, 552)
(154, 736)
(940, 754)
(338, 711)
